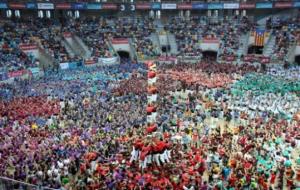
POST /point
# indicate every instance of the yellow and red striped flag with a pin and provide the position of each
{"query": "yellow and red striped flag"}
(259, 37)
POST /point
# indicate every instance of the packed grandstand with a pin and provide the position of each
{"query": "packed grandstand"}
(159, 95)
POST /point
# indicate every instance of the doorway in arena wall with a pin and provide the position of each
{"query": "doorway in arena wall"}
(256, 50)
(124, 57)
(165, 49)
(209, 55)
(297, 59)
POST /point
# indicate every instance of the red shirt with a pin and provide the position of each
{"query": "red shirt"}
(151, 128)
(145, 152)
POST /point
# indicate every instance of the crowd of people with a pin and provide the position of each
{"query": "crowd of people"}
(286, 33)
(91, 126)
(189, 33)
(97, 33)
(11, 57)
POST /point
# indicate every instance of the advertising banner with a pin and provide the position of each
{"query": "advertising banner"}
(283, 4)
(247, 5)
(215, 6)
(248, 58)
(28, 47)
(210, 40)
(264, 5)
(169, 6)
(64, 65)
(79, 6)
(108, 61)
(89, 62)
(296, 4)
(63, 6)
(231, 6)
(31, 6)
(94, 6)
(17, 5)
(120, 41)
(265, 60)
(15, 74)
(3, 6)
(167, 58)
(109, 6)
(199, 6)
(143, 6)
(155, 6)
(67, 34)
(47, 6)
(230, 58)
(184, 6)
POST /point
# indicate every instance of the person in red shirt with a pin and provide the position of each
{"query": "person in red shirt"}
(145, 153)
(151, 128)
(137, 146)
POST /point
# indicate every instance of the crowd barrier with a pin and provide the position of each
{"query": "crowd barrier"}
(257, 58)
(11, 184)
(90, 62)
(23, 74)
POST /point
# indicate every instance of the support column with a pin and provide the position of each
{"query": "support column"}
(216, 13)
(17, 14)
(209, 13)
(158, 14)
(151, 14)
(244, 13)
(188, 14)
(181, 14)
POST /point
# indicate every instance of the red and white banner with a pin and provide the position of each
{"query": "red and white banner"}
(143, 6)
(67, 34)
(19, 73)
(28, 47)
(109, 6)
(120, 41)
(249, 58)
(210, 40)
(283, 4)
(63, 6)
(184, 6)
(247, 5)
(265, 60)
(257, 58)
(89, 62)
(230, 58)
(163, 58)
(17, 6)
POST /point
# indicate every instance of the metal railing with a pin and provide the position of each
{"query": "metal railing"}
(11, 184)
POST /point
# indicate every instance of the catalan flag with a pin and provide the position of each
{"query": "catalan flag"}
(259, 37)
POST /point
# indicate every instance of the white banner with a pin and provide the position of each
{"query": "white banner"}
(46, 6)
(64, 65)
(168, 6)
(108, 61)
(231, 5)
